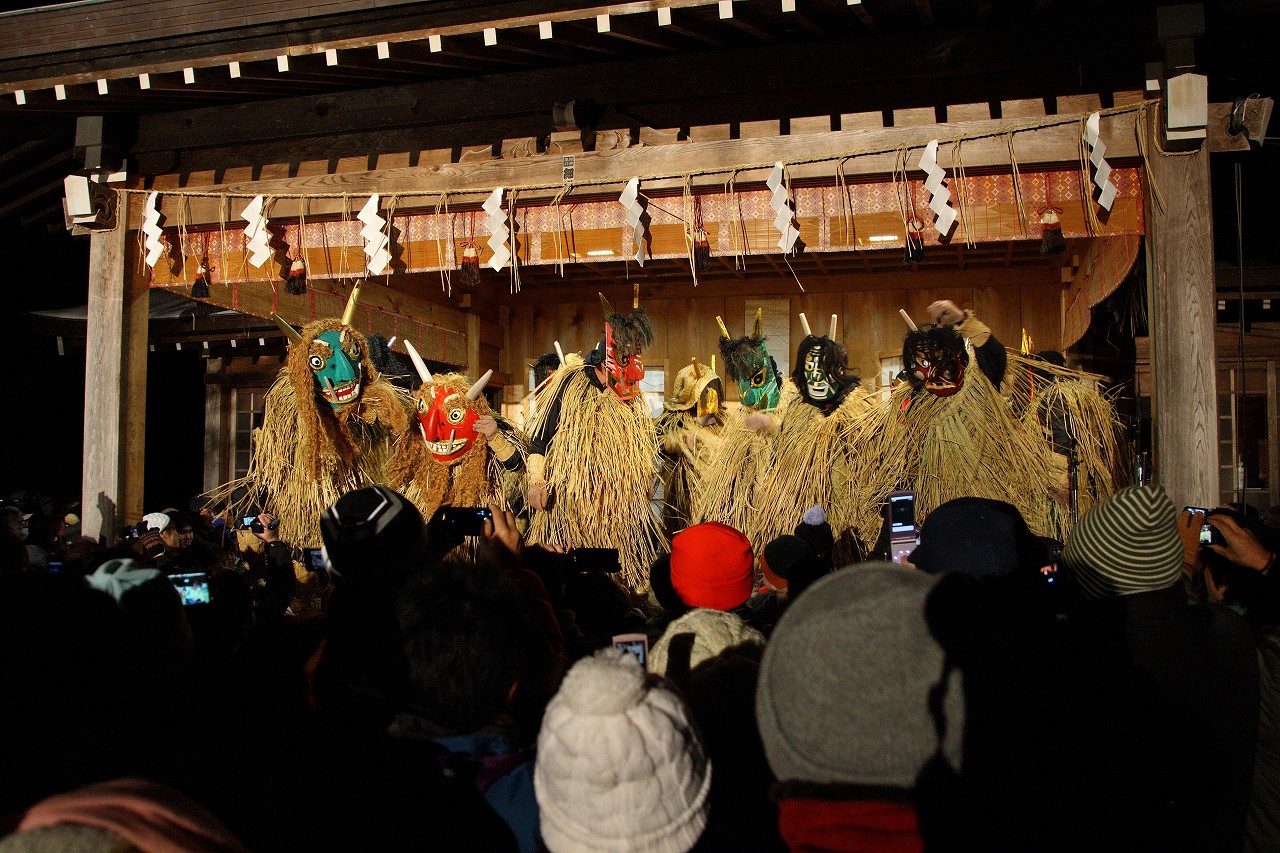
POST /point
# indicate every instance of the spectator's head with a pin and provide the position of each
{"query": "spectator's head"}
(14, 519)
(620, 765)
(1128, 543)
(372, 533)
(852, 684)
(789, 563)
(816, 531)
(712, 631)
(157, 521)
(978, 536)
(180, 533)
(474, 652)
(711, 566)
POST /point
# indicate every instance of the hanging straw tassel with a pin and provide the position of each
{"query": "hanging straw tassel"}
(296, 281)
(913, 253)
(701, 247)
(200, 287)
(1051, 239)
(469, 269)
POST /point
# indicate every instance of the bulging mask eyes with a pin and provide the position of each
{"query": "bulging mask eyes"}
(316, 362)
(758, 380)
(456, 415)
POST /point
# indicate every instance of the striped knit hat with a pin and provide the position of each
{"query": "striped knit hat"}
(1127, 543)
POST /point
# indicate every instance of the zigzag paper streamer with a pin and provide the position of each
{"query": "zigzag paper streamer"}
(630, 201)
(259, 237)
(498, 230)
(151, 219)
(377, 245)
(1101, 170)
(939, 195)
(785, 218)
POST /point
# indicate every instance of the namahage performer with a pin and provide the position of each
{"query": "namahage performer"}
(593, 453)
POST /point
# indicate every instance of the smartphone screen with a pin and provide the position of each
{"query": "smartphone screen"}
(465, 520)
(313, 559)
(636, 645)
(193, 587)
(902, 525)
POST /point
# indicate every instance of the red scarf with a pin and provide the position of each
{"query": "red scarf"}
(845, 826)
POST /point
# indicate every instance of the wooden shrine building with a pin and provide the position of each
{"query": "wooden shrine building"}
(426, 127)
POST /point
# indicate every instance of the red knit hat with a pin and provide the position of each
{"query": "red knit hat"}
(711, 566)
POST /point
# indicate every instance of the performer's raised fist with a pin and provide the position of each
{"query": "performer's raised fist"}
(487, 426)
(946, 313)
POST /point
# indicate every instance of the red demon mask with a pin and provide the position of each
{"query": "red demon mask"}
(935, 361)
(448, 422)
(622, 366)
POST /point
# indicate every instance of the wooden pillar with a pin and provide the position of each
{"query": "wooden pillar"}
(1183, 311)
(215, 425)
(115, 385)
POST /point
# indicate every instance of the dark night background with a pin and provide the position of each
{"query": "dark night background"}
(45, 268)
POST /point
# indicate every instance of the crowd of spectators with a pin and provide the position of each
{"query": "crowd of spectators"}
(199, 685)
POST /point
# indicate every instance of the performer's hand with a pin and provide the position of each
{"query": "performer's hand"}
(946, 313)
(757, 421)
(487, 426)
(1242, 548)
(501, 541)
(690, 440)
(537, 495)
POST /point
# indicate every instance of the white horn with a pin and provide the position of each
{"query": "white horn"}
(911, 324)
(559, 353)
(804, 324)
(392, 342)
(831, 332)
(474, 393)
(418, 363)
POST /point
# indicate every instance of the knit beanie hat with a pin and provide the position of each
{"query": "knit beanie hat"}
(620, 767)
(1127, 543)
(156, 521)
(847, 684)
(780, 555)
(712, 566)
(713, 631)
(978, 536)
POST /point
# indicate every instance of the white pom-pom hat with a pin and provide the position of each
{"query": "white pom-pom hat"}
(620, 765)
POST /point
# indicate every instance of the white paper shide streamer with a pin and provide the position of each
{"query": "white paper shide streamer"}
(785, 218)
(259, 237)
(151, 226)
(498, 231)
(939, 195)
(1101, 169)
(630, 201)
(377, 245)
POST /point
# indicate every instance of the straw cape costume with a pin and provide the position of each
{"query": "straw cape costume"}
(460, 454)
(745, 456)
(328, 424)
(1077, 422)
(689, 435)
(817, 437)
(949, 433)
(593, 453)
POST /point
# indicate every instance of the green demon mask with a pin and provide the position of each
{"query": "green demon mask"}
(334, 355)
(748, 361)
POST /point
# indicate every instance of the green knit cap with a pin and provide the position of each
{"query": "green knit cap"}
(1127, 543)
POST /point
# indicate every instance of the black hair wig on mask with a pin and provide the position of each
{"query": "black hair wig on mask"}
(631, 333)
(941, 345)
(742, 358)
(833, 361)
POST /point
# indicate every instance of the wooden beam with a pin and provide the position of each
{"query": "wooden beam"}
(482, 109)
(1180, 287)
(31, 171)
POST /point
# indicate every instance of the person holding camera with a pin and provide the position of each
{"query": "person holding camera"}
(269, 567)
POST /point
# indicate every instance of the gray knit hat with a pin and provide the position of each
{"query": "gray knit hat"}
(846, 681)
(1127, 543)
